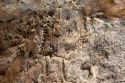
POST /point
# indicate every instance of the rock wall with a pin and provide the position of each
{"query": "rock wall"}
(62, 41)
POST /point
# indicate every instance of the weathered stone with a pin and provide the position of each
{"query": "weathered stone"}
(62, 41)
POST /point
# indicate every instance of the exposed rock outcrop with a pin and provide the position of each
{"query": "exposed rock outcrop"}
(62, 41)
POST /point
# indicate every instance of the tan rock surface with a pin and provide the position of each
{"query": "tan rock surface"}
(62, 41)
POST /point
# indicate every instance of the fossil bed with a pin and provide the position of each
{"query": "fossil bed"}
(62, 41)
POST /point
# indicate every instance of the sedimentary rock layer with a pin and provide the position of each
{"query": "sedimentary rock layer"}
(62, 41)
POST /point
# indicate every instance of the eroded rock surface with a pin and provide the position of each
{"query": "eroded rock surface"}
(62, 41)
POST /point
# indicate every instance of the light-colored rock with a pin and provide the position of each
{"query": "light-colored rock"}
(62, 41)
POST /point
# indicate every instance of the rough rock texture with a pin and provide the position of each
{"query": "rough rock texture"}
(62, 41)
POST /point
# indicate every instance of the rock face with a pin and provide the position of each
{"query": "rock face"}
(62, 41)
